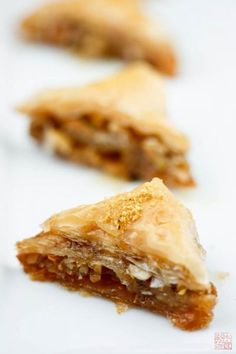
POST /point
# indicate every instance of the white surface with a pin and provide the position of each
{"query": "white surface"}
(43, 318)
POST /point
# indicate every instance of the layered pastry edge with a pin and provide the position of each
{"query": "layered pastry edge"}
(118, 259)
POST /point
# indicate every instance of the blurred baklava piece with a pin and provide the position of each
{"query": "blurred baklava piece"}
(118, 125)
(138, 248)
(102, 28)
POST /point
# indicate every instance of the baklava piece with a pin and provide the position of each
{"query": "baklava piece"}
(117, 125)
(115, 28)
(138, 248)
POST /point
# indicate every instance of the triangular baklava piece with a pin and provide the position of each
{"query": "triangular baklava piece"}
(138, 248)
(102, 27)
(117, 125)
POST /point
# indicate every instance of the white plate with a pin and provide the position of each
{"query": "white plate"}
(43, 318)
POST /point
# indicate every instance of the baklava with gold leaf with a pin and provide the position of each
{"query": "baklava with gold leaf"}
(138, 248)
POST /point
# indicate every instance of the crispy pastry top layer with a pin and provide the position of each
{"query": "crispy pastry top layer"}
(147, 221)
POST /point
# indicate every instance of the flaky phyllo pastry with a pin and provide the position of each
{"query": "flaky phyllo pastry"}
(102, 28)
(117, 125)
(138, 248)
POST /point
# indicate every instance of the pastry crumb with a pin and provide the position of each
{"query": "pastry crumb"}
(121, 308)
(84, 293)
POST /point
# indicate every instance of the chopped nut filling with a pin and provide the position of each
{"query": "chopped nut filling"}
(84, 266)
(94, 141)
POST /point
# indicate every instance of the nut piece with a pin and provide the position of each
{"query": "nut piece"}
(97, 267)
(182, 291)
(56, 141)
(138, 273)
(83, 270)
(32, 258)
(94, 278)
(156, 283)
(146, 292)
